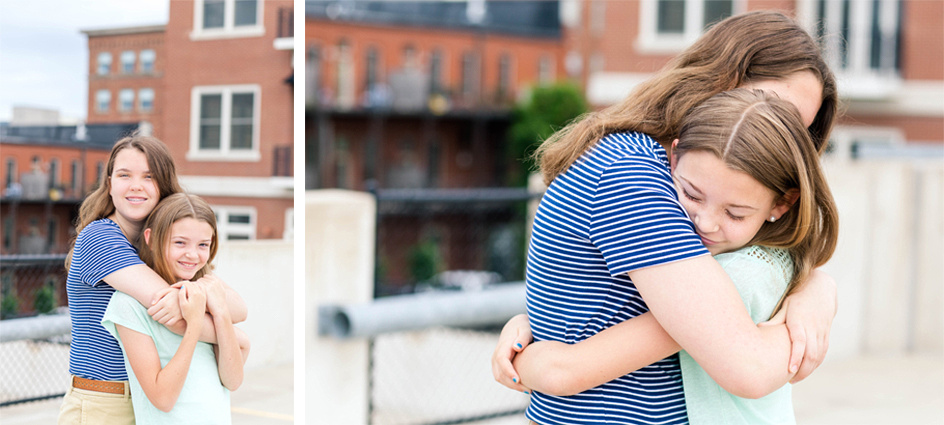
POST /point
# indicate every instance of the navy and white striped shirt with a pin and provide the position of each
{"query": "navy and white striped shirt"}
(615, 210)
(100, 249)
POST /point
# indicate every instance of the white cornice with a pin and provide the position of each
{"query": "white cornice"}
(247, 187)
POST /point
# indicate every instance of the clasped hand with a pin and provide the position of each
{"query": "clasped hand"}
(166, 305)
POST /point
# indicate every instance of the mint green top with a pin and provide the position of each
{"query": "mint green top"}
(203, 399)
(761, 276)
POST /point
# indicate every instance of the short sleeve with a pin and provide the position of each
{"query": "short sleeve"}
(636, 219)
(126, 311)
(102, 250)
(759, 278)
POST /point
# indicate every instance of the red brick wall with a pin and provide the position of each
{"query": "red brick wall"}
(115, 81)
(227, 61)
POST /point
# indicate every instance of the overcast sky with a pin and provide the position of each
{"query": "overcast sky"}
(44, 56)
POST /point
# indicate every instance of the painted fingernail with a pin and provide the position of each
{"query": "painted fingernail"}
(518, 345)
(793, 369)
(515, 380)
(526, 392)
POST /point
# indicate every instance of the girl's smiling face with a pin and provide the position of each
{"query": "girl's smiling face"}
(728, 207)
(133, 192)
(188, 247)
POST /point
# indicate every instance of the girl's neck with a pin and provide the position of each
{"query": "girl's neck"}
(131, 229)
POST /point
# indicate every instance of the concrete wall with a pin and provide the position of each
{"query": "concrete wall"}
(888, 264)
(261, 272)
(339, 255)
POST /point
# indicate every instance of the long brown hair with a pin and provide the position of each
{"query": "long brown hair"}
(99, 204)
(750, 47)
(170, 210)
(763, 136)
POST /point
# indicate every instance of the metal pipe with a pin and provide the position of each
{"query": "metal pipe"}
(38, 327)
(490, 306)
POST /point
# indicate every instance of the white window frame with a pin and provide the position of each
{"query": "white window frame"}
(224, 228)
(229, 30)
(147, 57)
(858, 80)
(651, 41)
(101, 96)
(141, 97)
(103, 63)
(224, 153)
(127, 60)
(125, 100)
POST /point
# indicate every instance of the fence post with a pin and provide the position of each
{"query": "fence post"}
(339, 250)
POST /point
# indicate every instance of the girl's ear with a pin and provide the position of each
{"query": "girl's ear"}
(786, 202)
(673, 158)
(147, 236)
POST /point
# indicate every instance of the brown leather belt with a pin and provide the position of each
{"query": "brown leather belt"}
(111, 387)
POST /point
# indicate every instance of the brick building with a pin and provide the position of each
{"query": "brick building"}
(417, 97)
(215, 84)
(419, 94)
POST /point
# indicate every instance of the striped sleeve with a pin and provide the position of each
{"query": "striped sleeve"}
(636, 219)
(104, 251)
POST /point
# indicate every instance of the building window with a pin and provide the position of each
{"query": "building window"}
(668, 26)
(235, 223)
(99, 171)
(470, 77)
(102, 100)
(51, 230)
(10, 172)
(861, 42)
(147, 61)
(436, 71)
(104, 63)
(504, 77)
(227, 18)
(127, 62)
(312, 74)
(146, 100)
(125, 100)
(54, 173)
(76, 178)
(372, 61)
(225, 123)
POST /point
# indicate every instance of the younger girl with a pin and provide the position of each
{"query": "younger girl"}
(748, 176)
(178, 379)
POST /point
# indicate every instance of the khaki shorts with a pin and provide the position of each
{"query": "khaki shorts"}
(86, 407)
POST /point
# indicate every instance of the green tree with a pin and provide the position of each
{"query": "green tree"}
(548, 109)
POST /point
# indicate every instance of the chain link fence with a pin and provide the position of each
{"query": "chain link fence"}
(32, 369)
(437, 376)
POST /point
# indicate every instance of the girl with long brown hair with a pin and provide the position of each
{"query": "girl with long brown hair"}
(611, 241)
(178, 379)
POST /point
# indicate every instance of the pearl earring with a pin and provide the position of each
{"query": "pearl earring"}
(772, 219)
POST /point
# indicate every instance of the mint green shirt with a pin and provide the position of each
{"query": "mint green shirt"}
(203, 399)
(761, 276)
